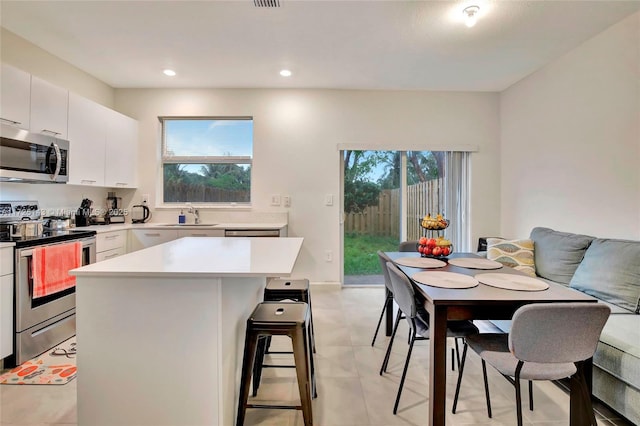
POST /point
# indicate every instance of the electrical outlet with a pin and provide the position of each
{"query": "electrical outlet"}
(328, 256)
(286, 200)
(145, 198)
(275, 199)
(328, 200)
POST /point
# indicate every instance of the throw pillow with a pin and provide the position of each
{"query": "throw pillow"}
(610, 271)
(517, 254)
(558, 254)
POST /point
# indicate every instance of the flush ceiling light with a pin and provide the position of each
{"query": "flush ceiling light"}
(285, 73)
(169, 72)
(471, 15)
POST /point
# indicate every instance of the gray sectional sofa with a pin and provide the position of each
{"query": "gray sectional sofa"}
(609, 270)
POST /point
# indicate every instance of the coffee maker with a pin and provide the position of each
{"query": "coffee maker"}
(115, 212)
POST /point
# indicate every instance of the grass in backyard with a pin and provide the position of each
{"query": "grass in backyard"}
(360, 253)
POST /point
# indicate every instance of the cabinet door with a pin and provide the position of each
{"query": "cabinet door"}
(111, 240)
(109, 254)
(121, 154)
(201, 233)
(143, 238)
(6, 315)
(49, 105)
(15, 89)
(86, 141)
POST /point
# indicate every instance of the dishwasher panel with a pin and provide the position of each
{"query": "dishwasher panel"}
(252, 233)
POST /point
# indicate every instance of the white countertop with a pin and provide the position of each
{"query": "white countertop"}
(3, 245)
(125, 226)
(204, 257)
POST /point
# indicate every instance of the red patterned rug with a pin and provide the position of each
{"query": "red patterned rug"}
(57, 366)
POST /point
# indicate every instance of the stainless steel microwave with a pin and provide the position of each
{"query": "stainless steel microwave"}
(32, 157)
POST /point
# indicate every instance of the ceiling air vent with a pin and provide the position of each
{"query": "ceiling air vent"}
(266, 3)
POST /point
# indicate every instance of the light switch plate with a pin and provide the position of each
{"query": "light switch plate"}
(328, 200)
(286, 200)
(275, 199)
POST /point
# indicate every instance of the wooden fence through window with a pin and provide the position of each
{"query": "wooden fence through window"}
(384, 218)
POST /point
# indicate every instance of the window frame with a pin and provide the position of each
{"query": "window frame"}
(208, 159)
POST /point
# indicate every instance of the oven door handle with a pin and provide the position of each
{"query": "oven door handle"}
(26, 253)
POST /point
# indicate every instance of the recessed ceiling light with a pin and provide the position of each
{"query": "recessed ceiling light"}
(285, 73)
(169, 72)
(471, 15)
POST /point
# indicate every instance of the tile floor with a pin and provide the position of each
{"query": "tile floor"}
(350, 390)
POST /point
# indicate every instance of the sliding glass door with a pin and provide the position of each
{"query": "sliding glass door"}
(385, 194)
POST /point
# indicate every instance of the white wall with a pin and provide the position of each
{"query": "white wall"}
(296, 133)
(570, 141)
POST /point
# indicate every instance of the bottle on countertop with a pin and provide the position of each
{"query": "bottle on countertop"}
(182, 218)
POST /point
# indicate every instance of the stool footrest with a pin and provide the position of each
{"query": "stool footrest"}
(278, 352)
(278, 407)
(278, 366)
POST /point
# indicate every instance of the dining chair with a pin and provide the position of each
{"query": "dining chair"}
(411, 245)
(383, 258)
(547, 341)
(413, 311)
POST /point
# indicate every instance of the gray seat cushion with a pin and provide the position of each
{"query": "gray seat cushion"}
(558, 254)
(610, 271)
(494, 349)
(618, 352)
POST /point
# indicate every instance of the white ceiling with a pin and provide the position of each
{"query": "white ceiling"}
(326, 44)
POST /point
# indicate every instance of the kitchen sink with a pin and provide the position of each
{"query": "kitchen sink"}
(190, 225)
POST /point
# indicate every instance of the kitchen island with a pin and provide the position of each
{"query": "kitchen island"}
(160, 331)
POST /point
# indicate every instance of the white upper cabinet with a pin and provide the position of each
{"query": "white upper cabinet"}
(121, 151)
(49, 106)
(15, 90)
(87, 138)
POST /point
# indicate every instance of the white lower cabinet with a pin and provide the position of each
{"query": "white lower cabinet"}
(200, 233)
(143, 238)
(110, 245)
(6, 302)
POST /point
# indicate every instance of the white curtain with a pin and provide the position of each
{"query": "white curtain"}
(456, 202)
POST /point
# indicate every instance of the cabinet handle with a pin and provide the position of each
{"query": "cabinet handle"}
(87, 181)
(53, 132)
(110, 237)
(198, 235)
(10, 121)
(152, 235)
(111, 256)
(122, 184)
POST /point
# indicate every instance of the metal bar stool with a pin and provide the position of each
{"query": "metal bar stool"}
(278, 289)
(286, 319)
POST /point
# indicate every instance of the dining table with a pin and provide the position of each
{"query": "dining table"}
(481, 302)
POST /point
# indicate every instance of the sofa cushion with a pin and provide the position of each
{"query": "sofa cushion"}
(618, 352)
(610, 271)
(558, 254)
(516, 254)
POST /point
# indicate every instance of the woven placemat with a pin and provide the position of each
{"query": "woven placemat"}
(512, 282)
(420, 262)
(475, 263)
(445, 279)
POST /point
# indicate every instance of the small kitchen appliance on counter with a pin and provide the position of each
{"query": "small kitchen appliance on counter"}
(115, 212)
(57, 222)
(83, 213)
(140, 214)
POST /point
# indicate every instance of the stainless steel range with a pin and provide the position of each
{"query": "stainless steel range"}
(39, 322)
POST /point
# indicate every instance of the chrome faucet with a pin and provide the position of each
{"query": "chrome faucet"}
(195, 214)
